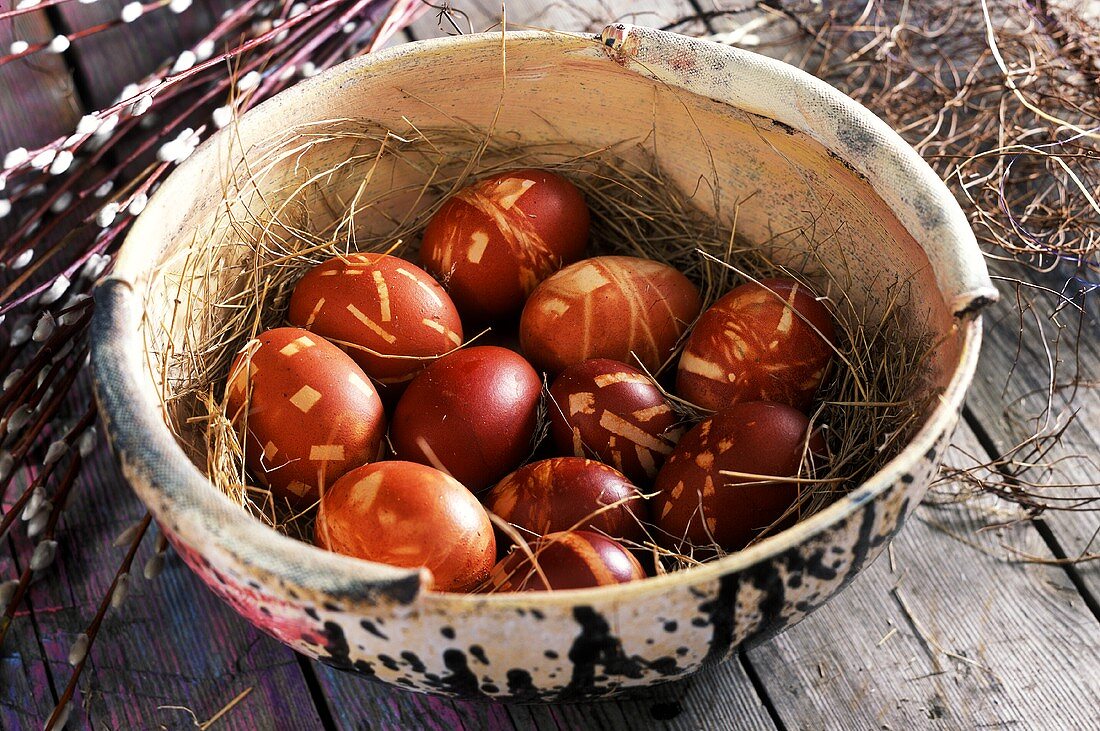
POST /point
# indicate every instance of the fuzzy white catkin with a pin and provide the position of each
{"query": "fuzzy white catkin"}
(107, 126)
(249, 81)
(106, 187)
(153, 566)
(43, 556)
(53, 294)
(61, 162)
(19, 419)
(27, 4)
(94, 266)
(23, 259)
(59, 44)
(34, 503)
(106, 215)
(45, 327)
(137, 204)
(222, 116)
(131, 12)
(184, 61)
(87, 124)
(18, 156)
(79, 649)
(204, 50)
(63, 201)
(122, 588)
(55, 452)
(178, 6)
(141, 106)
(20, 335)
(86, 443)
(37, 524)
(12, 377)
(5, 207)
(18, 47)
(127, 536)
(43, 159)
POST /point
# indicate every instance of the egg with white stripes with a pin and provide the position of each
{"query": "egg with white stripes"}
(492, 242)
(388, 314)
(624, 308)
(305, 411)
(609, 411)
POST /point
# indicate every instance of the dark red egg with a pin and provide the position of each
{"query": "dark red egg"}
(574, 560)
(388, 314)
(617, 307)
(698, 506)
(409, 515)
(471, 414)
(564, 493)
(494, 241)
(608, 410)
(308, 414)
(770, 341)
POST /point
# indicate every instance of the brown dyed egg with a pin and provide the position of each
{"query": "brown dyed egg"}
(700, 506)
(493, 242)
(470, 414)
(574, 560)
(759, 342)
(311, 415)
(606, 409)
(389, 315)
(608, 307)
(409, 515)
(564, 493)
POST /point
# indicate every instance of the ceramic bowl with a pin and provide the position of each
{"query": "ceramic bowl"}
(771, 129)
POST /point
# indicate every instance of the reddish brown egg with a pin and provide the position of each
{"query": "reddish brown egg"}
(613, 307)
(759, 342)
(606, 409)
(389, 315)
(700, 506)
(409, 515)
(493, 242)
(564, 493)
(574, 560)
(311, 413)
(470, 414)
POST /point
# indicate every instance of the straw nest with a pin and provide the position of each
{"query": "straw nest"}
(872, 400)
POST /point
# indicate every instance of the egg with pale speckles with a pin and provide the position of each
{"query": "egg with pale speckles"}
(577, 559)
(617, 307)
(698, 505)
(409, 515)
(306, 412)
(561, 493)
(388, 314)
(471, 414)
(607, 410)
(770, 341)
(494, 241)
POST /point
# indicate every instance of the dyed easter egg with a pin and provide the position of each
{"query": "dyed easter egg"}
(564, 493)
(770, 341)
(409, 515)
(388, 314)
(493, 242)
(699, 506)
(575, 560)
(306, 412)
(615, 307)
(606, 409)
(471, 414)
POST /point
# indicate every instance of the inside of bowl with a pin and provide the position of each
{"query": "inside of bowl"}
(283, 170)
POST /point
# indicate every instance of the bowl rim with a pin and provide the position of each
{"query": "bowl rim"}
(178, 493)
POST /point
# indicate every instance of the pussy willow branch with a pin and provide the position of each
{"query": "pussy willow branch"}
(74, 200)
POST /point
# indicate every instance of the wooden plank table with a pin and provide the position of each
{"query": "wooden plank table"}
(950, 630)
